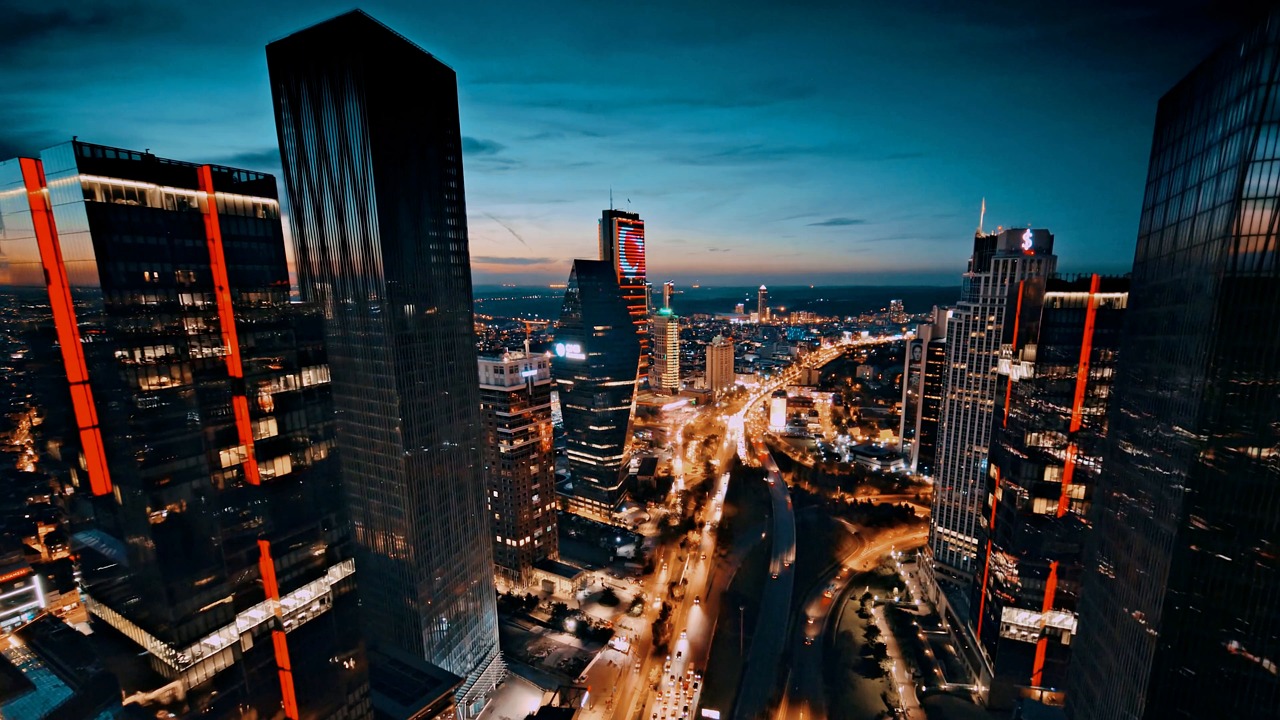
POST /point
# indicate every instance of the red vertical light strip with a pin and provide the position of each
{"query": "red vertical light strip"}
(986, 566)
(1042, 645)
(267, 568)
(68, 330)
(1077, 405)
(1017, 320)
(227, 319)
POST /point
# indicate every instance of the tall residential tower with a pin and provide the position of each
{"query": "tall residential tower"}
(519, 461)
(379, 217)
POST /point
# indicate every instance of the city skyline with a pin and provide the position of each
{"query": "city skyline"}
(727, 139)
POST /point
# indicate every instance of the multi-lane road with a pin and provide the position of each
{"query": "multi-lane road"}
(622, 686)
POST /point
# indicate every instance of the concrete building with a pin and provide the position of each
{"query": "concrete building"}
(519, 462)
(762, 304)
(778, 411)
(664, 374)
(720, 375)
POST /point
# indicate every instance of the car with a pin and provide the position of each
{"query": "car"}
(808, 640)
(774, 575)
(679, 654)
(696, 599)
(810, 619)
(684, 635)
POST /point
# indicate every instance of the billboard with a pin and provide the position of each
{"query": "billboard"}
(630, 248)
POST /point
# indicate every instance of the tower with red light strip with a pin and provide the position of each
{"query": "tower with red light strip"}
(622, 246)
(1055, 370)
(214, 535)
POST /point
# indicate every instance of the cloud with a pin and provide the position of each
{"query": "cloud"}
(516, 261)
(264, 159)
(718, 250)
(32, 25)
(480, 146)
(838, 222)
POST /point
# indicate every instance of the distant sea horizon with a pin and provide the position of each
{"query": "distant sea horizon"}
(543, 302)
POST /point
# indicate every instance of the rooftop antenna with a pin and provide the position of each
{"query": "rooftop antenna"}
(982, 215)
(610, 197)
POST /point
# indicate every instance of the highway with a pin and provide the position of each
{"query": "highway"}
(759, 677)
(814, 628)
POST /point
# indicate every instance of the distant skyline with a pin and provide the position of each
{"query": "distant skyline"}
(812, 143)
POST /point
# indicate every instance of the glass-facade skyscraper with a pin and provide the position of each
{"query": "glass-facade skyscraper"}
(597, 351)
(923, 371)
(1054, 378)
(1180, 616)
(372, 155)
(975, 330)
(212, 546)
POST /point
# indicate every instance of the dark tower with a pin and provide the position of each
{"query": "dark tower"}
(369, 138)
(1054, 380)
(1180, 616)
(201, 399)
(596, 351)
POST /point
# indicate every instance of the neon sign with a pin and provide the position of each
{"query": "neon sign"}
(571, 351)
(1028, 242)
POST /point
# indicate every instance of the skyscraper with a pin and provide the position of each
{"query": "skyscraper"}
(1056, 365)
(720, 377)
(668, 289)
(762, 303)
(596, 350)
(999, 263)
(622, 246)
(519, 461)
(665, 371)
(379, 217)
(215, 543)
(924, 371)
(1179, 616)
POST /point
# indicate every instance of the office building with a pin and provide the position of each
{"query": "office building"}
(379, 219)
(762, 304)
(1179, 617)
(664, 373)
(622, 246)
(215, 547)
(999, 263)
(668, 289)
(720, 375)
(519, 461)
(924, 372)
(1054, 378)
(596, 352)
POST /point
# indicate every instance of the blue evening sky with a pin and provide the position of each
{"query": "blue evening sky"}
(778, 142)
